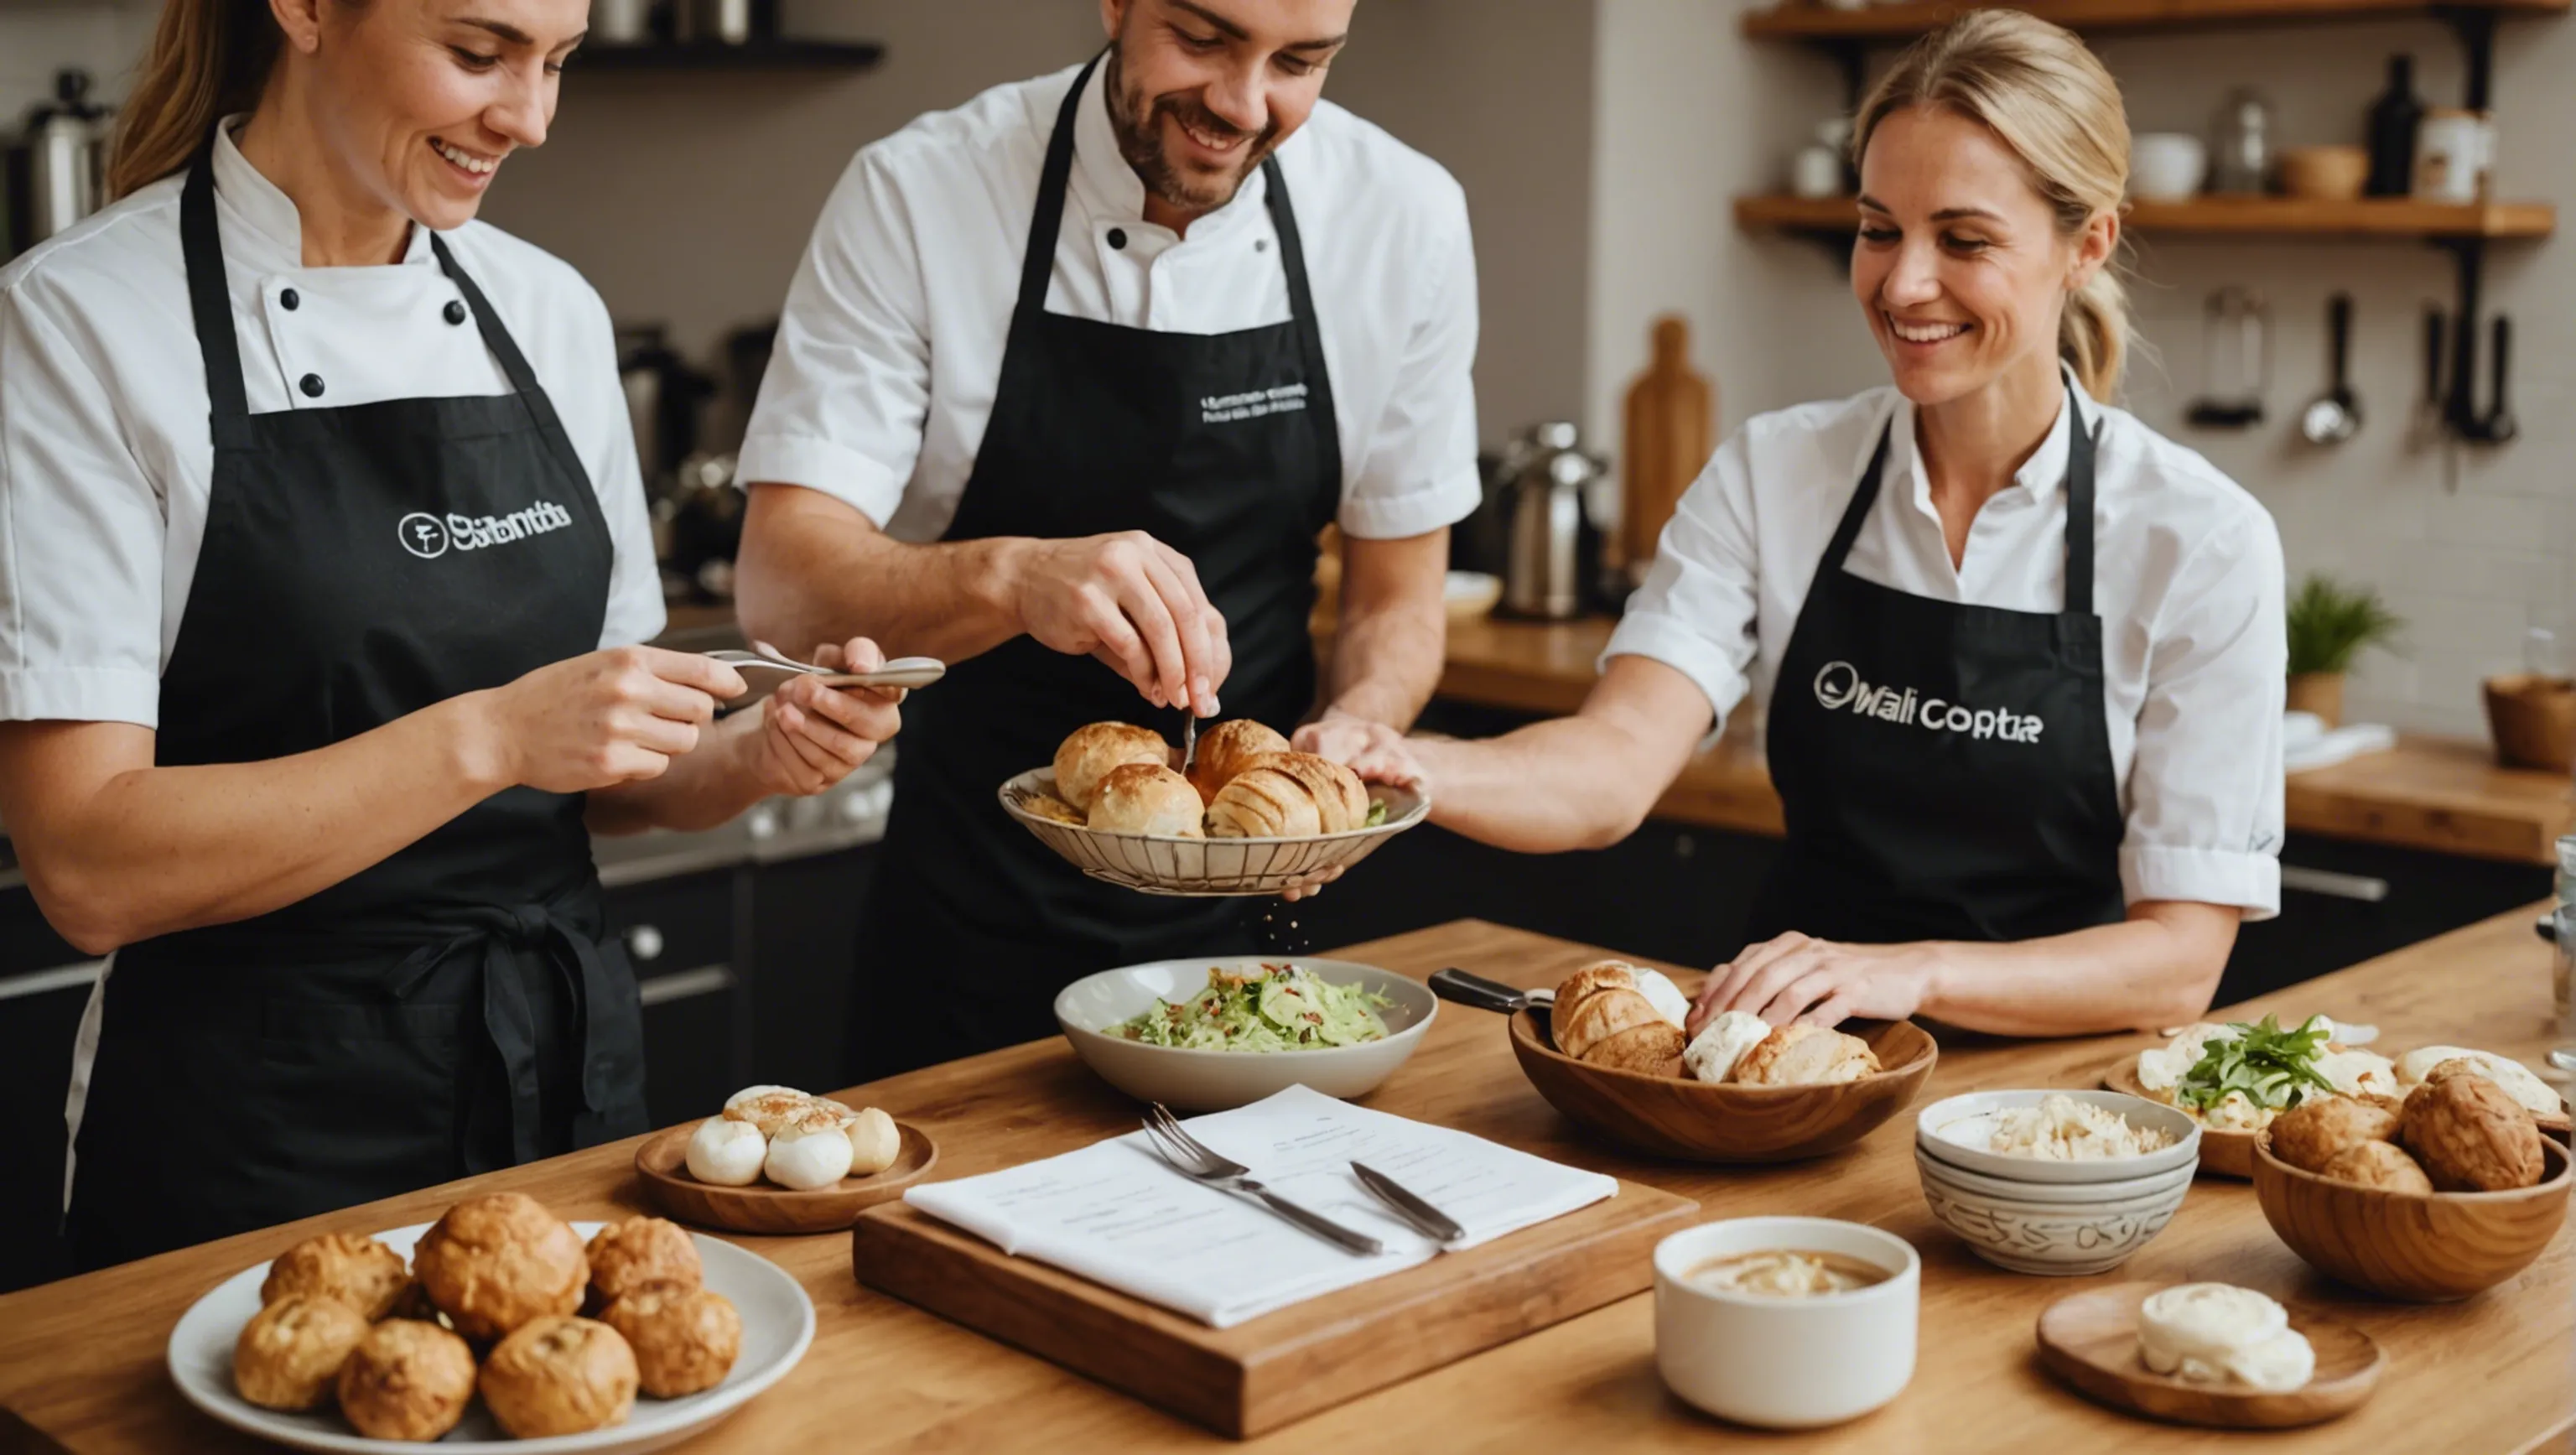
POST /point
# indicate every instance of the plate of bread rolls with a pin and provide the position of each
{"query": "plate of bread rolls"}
(1608, 1050)
(1249, 816)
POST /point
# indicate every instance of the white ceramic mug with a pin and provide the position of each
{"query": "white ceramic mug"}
(1786, 1363)
(1817, 172)
(2167, 166)
(2454, 150)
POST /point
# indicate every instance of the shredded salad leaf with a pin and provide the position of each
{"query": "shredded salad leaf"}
(2274, 1068)
(1281, 1008)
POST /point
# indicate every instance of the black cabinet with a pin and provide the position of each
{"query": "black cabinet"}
(35, 1070)
(679, 933)
(2344, 902)
(804, 932)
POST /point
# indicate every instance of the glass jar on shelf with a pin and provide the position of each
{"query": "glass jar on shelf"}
(2241, 149)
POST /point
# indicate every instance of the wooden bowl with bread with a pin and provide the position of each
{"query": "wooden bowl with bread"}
(1609, 1054)
(1247, 817)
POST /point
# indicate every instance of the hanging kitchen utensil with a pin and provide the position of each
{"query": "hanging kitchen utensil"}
(2498, 425)
(2235, 360)
(2335, 416)
(2427, 425)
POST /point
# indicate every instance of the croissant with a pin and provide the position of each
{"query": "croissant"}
(1263, 803)
(1603, 1019)
(1146, 798)
(1091, 752)
(1341, 800)
(1226, 750)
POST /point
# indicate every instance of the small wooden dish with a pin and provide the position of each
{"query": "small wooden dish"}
(2089, 1340)
(2229, 1154)
(1694, 1121)
(2426, 1247)
(763, 1208)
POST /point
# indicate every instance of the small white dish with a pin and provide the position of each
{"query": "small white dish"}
(2054, 1238)
(777, 1326)
(1955, 1130)
(1786, 1363)
(1089, 1009)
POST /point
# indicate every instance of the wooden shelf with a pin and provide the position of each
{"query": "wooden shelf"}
(758, 55)
(1817, 22)
(2394, 217)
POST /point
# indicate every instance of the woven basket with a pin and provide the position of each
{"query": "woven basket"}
(2533, 719)
(1206, 868)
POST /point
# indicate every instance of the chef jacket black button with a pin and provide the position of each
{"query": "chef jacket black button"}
(312, 386)
(290, 300)
(1118, 237)
(455, 312)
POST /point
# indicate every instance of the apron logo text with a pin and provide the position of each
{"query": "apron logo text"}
(1227, 408)
(1839, 686)
(429, 537)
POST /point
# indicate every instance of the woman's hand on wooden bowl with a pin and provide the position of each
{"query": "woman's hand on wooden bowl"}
(1795, 977)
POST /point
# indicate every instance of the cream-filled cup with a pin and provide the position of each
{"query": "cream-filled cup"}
(1786, 1360)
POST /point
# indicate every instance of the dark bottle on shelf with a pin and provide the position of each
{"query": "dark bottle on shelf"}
(2393, 118)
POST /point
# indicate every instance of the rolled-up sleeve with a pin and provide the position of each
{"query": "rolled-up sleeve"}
(1695, 612)
(81, 537)
(1417, 471)
(848, 384)
(2205, 814)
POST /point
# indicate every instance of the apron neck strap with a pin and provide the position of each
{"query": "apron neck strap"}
(1046, 224)
(496, 335)
(209, 300)
(2080, 443)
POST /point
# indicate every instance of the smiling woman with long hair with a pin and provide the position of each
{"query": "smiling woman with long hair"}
(325, 562)
(2022, 657)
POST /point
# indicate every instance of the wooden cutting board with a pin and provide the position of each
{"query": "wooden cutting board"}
(1283, 1366)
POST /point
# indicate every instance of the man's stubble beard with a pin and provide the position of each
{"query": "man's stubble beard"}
(1137, 123)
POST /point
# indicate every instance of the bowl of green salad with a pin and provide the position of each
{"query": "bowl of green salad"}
(1209, 1034)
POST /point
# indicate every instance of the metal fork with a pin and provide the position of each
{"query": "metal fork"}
(1196, 1160)
(1189, 737)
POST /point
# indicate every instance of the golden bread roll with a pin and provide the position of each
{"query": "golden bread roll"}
(407, 1381)
(1057, 809)
(2471, 1135)
(1573, 989)
(291, 1351)
(2377, 1164)
(1263, 803)
(351, 1267)
(493, 1263)
(2308, 1135)
(1806, 1056)
(1617, 1026)
(560, 1376)
(685, 1339)
(627, 1255)
(1226, 750)
(1092, 752)
(1341, 800)
(1147, 798)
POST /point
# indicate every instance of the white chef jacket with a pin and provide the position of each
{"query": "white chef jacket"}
(890, 349)
(105, 451)
(2187, 580)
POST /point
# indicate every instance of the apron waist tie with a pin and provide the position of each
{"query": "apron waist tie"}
(505, 935)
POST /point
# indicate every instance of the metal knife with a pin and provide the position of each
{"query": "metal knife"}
(1431, 1220)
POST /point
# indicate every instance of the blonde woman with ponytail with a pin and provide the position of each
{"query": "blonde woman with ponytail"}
(324, 570)
(2022, 657)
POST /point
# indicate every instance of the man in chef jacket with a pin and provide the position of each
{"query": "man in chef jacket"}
(1066, 387)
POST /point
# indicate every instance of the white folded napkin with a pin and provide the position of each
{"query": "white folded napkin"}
(1118, 1214)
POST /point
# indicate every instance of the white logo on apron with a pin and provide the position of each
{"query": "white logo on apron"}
(1839, 686)
(429, 537)
(1227, 408)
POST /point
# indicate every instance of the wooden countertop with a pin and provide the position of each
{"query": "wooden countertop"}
(81, 1360)
(2444, 794)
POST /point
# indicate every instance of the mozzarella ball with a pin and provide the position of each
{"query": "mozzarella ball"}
(1664, 995)
(1721, 1043)
(727, 1153)
(809, 1152)
(874, 1142)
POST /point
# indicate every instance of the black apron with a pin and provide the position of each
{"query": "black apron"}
(1944, 769)
(453, 1008)
(1222, 447)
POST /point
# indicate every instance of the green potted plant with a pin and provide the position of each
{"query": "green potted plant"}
(2329, 625)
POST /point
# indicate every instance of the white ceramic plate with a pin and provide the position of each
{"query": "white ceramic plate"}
(1188, 1080)
(1206, 868)
(777, 1325)
(1954, 1130)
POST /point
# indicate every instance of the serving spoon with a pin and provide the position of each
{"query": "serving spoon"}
(903, 672)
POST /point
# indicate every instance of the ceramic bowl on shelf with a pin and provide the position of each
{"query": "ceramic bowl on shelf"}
(2426, 1247)
(2325, 173)
(2167, 166)
(2061, 1229)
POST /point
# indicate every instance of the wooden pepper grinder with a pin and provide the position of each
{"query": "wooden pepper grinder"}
(1671, 422)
